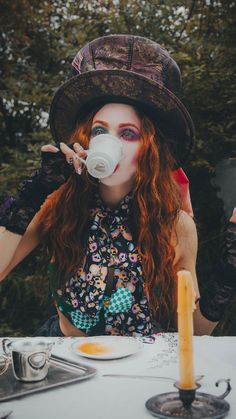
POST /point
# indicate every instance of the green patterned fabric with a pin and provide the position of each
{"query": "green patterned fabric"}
(121, 301)
(83, 321)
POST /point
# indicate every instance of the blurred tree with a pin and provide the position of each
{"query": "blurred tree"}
(38, 41)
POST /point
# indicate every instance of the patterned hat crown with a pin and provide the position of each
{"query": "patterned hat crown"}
(131, 53)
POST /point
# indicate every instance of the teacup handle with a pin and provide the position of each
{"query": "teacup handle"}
(5, 360)
(5, 346)
(82, 160)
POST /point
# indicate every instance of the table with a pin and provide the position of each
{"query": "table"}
(114, 397)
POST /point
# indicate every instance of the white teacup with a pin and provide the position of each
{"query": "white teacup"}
(103, 155)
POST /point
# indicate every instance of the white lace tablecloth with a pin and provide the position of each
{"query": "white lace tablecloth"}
(112, 397)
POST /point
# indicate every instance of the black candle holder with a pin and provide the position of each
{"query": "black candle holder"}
(189, 404)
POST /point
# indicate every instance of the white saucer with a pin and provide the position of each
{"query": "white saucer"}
(106, 347)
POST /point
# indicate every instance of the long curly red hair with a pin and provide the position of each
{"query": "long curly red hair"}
(154, 215)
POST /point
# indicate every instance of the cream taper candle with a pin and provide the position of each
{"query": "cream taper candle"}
(186, 306)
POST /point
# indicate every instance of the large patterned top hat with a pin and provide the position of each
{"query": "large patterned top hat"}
(127, 69)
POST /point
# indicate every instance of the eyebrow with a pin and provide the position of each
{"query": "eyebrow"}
(120, 125)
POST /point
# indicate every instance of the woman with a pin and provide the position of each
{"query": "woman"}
(115, 245)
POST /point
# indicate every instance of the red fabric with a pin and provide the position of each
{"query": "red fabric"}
(183, 181)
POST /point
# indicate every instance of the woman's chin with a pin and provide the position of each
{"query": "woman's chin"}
(114, 180)
(109, 181)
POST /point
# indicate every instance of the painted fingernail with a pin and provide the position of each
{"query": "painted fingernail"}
(78, 147)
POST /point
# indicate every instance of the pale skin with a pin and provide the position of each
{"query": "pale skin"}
(121, 121)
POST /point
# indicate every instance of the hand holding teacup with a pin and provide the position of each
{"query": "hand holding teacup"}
(72, 155)
(101, 159)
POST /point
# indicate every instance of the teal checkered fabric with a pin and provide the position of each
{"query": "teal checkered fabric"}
(83, 321)
(121, 301)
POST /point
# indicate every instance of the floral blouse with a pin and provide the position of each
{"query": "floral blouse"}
(109, 246)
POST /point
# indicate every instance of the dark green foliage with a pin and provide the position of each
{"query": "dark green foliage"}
(37, 43)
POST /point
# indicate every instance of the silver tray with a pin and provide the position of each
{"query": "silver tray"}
(60, 373)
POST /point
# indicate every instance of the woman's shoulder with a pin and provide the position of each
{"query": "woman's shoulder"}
(185, 225)
(184, 237)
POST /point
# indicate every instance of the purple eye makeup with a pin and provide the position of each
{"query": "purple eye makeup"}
(129, 134)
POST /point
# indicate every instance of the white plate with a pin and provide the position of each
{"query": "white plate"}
(106, 347)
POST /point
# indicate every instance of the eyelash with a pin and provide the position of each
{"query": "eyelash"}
(96, 129)
(132, 135)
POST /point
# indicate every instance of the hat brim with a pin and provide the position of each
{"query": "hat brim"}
(87, 90)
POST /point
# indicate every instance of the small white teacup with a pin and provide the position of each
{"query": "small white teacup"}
(103, 155)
